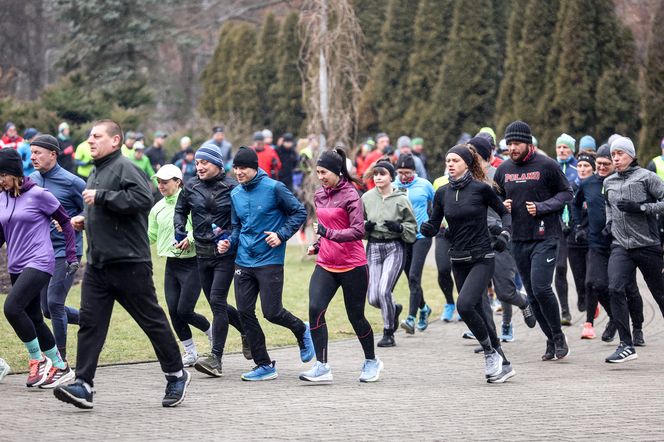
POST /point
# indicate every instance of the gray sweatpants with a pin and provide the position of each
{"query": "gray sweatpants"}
(385, 261)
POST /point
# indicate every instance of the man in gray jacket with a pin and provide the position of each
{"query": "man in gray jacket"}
(634, 197)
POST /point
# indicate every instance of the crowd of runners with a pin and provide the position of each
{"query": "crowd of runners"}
(506, 220)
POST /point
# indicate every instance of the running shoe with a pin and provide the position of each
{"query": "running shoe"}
(622, 354)
(307, 351)
(79, 394)
(566, 319)
(388, 339)
(261, 373)
(448, 313)
(588, 331)
(39, 371)
(550, 353)
(58, 376)
(493, 364)
(4, 369)
(423, 322)
(562, 349)
(468, 335)
(189, 359)
(246, 348)
(320, 372)
(459, 318)
(209, 364)
(176, 389)
(609, 332)
(637, 338)
(371, 370)
(496, 306)
(506, 372)
(507, 333)
(529, 316)
(398, 308)
(408, 324)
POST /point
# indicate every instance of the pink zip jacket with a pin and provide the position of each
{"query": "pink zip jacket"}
(340, 211)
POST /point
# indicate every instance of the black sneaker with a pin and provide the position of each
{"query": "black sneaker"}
(79, 394)
(529, 316)
(210, 364)
(246, 348)
(562, 349)
(637, 338)
(387, 340)
(398, 308)
(550, 353)
(609, 332)
(176, 389)
(566, 319)
(623, 353)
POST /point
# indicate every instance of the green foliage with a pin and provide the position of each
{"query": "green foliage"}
(653, 92)
(371, 15)
(262, 68)
(241, 99)
(214, 78)
(29, 114)
(71, 100)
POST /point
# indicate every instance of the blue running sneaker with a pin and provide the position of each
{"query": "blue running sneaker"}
(423, 322)
(408, 324)
(507, 334)
(448, 313)
(371, 370)
(176, 389)
(307, 351)
(261, 373)
(320, 372)
(79, 394)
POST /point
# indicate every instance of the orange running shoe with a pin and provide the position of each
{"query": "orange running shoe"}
(588, 331)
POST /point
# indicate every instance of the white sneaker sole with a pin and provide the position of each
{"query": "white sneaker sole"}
(375, 378)
(322, 378)
(49, 364)
(76, 401)
(64, 379)
(184, 392)
(503, 378)
(266, 378)
(628, 358)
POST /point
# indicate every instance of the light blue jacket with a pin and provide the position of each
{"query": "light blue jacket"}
(420, 193)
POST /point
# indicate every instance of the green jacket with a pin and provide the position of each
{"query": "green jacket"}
(395, 207)
(144, 165)
(162, 232)
(84, 159)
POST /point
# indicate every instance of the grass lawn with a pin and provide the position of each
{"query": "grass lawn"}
(127, 343)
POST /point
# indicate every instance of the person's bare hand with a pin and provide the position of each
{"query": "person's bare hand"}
(532, 208)
(311, 250)
(57, 226)
(508, 205)
(223, 246)
(78, 222)
(183, 245)
(272, 239)
(89, 196)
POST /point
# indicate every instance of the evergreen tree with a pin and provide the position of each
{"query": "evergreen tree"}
(371, 15)
(653, 92)
(214, 78)
(464, 97)
(286, 92)
(241, 100)
(502, 13)
(432, 24)
(505, 112)
(264, 69)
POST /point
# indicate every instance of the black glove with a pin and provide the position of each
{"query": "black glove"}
(322, 231)
(629, 206)
(393, 226)
(606, 231)
(427, 229)
(566, 229)
(369, 226)
(501, 241)
(580, 235)
(72, 267)
(495, 229)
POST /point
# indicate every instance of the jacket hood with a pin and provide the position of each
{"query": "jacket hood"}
(255, 180)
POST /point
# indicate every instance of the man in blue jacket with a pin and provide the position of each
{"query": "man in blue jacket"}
(265, 214)
(68, 189)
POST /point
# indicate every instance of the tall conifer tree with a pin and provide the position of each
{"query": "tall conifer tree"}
(653, 93)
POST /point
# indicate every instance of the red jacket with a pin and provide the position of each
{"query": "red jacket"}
(341, 212)
(269, 161)
(7, 142)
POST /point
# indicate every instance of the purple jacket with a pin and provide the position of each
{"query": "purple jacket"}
(25, 224)
(341, 212)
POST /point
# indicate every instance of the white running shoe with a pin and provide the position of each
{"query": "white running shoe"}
(4, 369)
(320, 372)
(189, 359)
(494, 364)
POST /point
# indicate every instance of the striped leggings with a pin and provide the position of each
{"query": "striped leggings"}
(386, 261)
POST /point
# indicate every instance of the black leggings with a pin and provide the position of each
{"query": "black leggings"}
(444, 268)
(472, 280)
(216, 275)
(577, 263)
(182, 288)
(23, 307)
(560, 278)
(322, 288)
(416, 254)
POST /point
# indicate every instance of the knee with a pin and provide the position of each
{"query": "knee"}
(374, 301)
(53, 308)
(183, 312)
(464, 306)
(11, 312)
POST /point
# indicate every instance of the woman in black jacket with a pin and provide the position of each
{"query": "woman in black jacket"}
(464, 202)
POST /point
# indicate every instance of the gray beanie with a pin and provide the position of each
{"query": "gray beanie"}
(624, 144)
(403, 141)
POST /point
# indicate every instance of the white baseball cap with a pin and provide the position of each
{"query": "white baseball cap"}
(168, 172)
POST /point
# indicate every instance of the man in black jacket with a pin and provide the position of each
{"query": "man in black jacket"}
(118, 200)
(535, 191)
(207, 197)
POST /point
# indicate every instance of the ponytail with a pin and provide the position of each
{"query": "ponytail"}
(344, 167)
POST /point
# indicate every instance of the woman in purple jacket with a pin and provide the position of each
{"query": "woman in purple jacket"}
(25, 219)
(341, 262)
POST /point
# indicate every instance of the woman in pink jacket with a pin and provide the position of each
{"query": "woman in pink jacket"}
(341, 263)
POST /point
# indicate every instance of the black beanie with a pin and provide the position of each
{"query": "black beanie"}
(588, 159)
(465, 154)
(331, 161)
(518, 131)
(604, 151)
(47, 142)
(10, 162)
(405, 161)
(246, 157)
(385, 164)
(482, 146)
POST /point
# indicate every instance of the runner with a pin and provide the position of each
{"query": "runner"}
(341, 262)
(389, 225)
(420, 193)
(464, 202)
(182, 286)
(535, 190)
(443, 263)
(68, 189)
(634, 196)
(207, 197)
(25, 226)
(265, 214)
(119, 268)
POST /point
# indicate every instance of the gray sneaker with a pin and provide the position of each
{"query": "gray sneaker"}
(4, 369)
(209, 364)
(505, 373)
(494, 364)
(189, 359)
(529, 316)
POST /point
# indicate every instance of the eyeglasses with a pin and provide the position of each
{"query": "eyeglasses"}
(602, 164)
